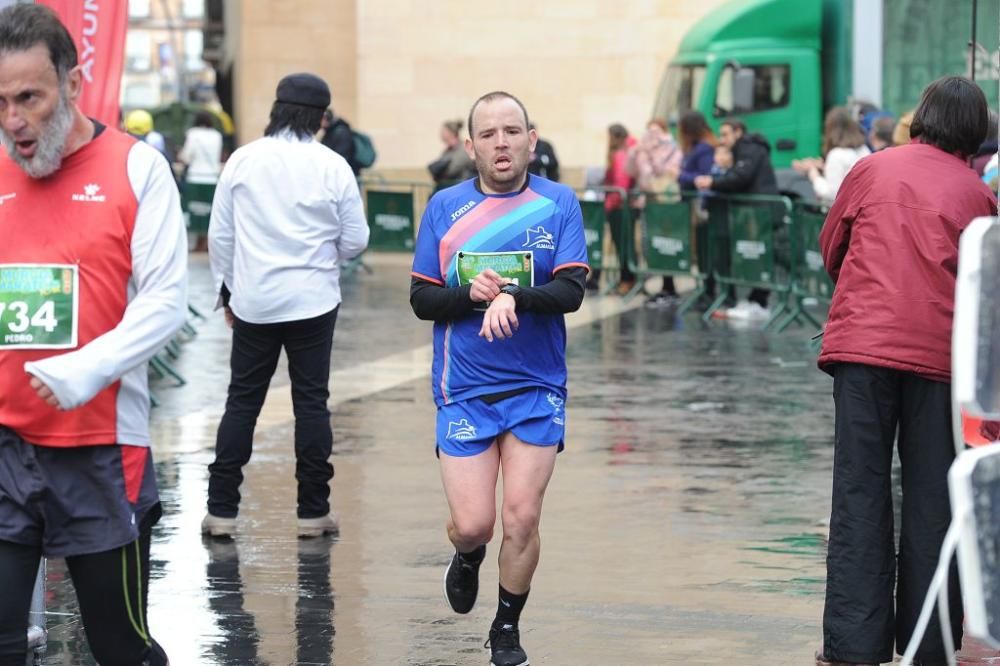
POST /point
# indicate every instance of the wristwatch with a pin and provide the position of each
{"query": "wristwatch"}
(511, 289)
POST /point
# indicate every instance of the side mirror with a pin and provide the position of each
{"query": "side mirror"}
(975, 339)
(744, 82)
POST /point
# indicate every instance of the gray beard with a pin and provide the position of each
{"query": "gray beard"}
(50, 146)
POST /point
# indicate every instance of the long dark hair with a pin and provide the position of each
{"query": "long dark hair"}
(952, 115)
(693, 128)
(302, 121)
(617, 137)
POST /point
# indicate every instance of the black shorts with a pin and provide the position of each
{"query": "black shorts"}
(75, 500)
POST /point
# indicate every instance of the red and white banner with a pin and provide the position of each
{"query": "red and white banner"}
(98, 28)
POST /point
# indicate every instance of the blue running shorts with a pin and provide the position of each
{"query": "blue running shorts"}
(467, 428)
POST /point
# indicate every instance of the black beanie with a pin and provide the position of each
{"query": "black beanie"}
(303, 89)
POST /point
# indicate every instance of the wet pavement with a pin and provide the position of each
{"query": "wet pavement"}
(683, 524)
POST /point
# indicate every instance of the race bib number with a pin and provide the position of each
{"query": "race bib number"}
(38, 306)
(518, 266)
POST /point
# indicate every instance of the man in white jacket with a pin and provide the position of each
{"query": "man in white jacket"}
(287, 213)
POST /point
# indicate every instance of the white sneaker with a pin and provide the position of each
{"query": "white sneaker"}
(748, 310)
(739, 311)
(218, 527)
(315, 527)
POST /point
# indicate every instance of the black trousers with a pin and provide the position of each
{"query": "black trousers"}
(256, 348)
(862, 618)
(112, 588)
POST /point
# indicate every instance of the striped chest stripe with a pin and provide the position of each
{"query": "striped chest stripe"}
(475, 221)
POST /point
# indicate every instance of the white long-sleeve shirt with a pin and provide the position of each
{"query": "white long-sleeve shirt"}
(286, 214)
(202, 152)
(835, 167)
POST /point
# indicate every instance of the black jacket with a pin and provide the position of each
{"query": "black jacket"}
(751, 172)
(340, 139)
(544, 162)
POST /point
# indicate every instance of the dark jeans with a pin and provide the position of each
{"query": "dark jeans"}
(112, 589)
(256, 348)
(861, 620)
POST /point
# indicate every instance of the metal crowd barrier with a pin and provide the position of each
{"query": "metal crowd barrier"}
(394, 208)
(601, 252)
(809, 276)
(758, 245)
(161, 365)
(37, 634)
(667, 244)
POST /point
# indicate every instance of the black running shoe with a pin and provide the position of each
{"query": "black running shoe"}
(505, 647)
(461, 582)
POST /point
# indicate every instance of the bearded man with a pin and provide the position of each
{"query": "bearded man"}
(93, 282)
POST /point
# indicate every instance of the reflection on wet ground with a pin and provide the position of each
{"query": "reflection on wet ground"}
(683, 525)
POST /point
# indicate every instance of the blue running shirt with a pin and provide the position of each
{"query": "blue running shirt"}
(545, 218)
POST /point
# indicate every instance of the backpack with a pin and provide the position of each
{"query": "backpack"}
(364, 150)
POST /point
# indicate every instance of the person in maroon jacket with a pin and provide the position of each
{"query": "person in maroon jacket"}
(890, 243)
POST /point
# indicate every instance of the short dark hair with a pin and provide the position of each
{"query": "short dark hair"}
(25, 26)
(952, 115)
(736, 124)
(302, 121)
(495, 95)
(882, 128)
(203, 119)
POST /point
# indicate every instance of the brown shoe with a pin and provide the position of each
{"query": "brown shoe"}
(624, 287)
(823, 661)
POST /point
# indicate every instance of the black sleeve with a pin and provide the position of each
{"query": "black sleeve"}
(553, 171)
(436, 303)
(564, 294)
(433, 302)
(742, 174)
(342, 141)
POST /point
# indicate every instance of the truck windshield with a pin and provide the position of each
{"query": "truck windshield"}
(679, 91)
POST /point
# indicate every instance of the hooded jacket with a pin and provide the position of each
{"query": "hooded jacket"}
(752, 172)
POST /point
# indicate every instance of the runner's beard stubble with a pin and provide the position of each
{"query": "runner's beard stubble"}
(51, 142)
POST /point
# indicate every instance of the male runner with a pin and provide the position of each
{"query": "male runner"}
(93, 271)
(499, 260)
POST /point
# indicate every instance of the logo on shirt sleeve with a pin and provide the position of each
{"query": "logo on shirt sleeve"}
(90, 193)
(461, 430)
(540, 239)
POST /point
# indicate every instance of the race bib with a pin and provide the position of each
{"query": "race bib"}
(517, 266)
(38, 306)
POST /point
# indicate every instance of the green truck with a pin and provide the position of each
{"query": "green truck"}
(780, 64)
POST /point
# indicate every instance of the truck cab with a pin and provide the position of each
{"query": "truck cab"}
(780, 64)
(756, 60)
